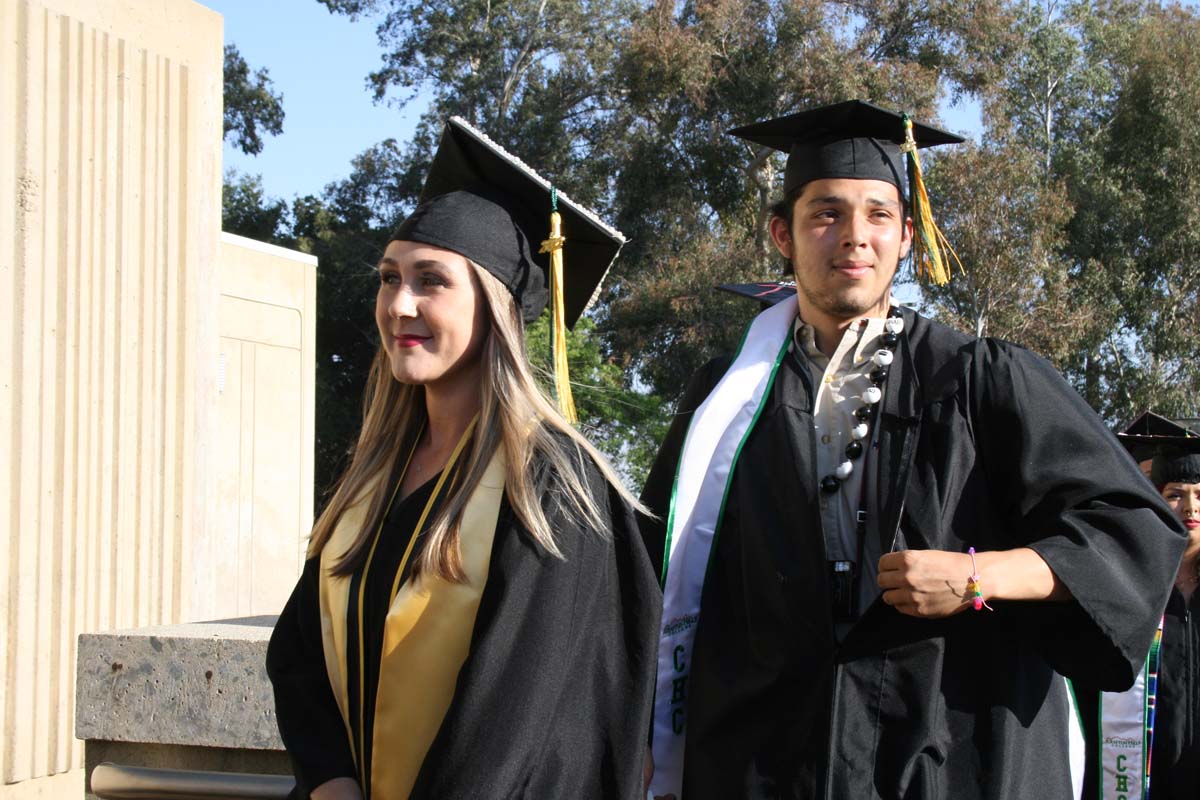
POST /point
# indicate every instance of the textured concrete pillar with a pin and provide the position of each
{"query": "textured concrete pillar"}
(108, 339)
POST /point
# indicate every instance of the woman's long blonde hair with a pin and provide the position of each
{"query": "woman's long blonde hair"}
(545, 456)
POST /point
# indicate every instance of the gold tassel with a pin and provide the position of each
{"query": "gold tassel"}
(931, 251)
(558, 314)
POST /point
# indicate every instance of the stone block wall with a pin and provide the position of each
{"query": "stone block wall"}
(109, 225)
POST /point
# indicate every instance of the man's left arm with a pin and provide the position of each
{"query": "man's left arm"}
(937, 583)
(1092, 540)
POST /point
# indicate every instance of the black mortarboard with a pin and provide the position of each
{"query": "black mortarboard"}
(768, 293)
(486, 204)
(854, 139)
(1173, 449)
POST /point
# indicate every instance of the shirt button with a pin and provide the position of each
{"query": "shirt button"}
(826, 439)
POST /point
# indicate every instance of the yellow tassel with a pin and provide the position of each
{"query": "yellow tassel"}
(931, 251)
(558, 339)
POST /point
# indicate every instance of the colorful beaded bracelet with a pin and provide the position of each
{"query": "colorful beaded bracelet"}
(974, 586)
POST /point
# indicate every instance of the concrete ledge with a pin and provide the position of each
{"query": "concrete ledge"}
(199, 685)
(161, 756)
(120, 782)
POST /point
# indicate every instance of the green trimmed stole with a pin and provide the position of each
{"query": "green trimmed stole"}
(1126, 733)
(706, 463)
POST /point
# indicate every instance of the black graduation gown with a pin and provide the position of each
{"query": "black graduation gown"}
(980, 443)
(1175, 759)
(554, 698)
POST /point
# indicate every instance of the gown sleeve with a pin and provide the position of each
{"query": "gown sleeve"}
(554, 700)
(306, 711)
(1072, 494)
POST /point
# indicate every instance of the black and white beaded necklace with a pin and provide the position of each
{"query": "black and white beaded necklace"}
(882, 359)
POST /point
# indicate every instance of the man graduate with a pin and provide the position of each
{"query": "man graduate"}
(885, 543)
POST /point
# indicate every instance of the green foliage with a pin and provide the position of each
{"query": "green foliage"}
(1008, 224)
(694, 201)
(1135, 238)
(247, 211)
(1072, 215)
(335, 229)
(251, 107)
(626, 424)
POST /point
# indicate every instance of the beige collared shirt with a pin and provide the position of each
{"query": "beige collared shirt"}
(840, 381)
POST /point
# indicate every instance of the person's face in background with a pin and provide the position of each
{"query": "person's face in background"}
(1184, 500)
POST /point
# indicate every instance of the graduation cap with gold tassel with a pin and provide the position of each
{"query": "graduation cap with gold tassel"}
(481, 201)
(857, 139)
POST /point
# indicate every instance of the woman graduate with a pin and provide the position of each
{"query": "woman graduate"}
(1176, 754)
(1150, 735)
(476, 617)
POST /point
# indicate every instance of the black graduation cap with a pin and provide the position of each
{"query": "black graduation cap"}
(768, 293)
(1173, 449)
(853, 139)
(486, 204)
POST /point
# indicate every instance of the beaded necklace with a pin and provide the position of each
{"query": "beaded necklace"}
(843, 574)
(882, 359)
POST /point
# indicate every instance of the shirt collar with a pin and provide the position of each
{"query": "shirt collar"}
(867, 329)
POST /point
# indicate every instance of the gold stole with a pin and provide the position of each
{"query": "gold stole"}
(426, 637)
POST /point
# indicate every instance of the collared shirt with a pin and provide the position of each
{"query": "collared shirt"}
(840, 381)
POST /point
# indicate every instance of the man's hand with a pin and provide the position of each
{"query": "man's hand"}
(926, 583)
(933, 583)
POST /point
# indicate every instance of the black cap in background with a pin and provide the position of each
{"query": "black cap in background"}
(768, 293)
(1172, 449)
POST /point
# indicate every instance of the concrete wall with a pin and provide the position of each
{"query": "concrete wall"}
(111, 114)
(190, 697)
(263, 454)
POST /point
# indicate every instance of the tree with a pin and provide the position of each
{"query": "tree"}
(531, 73)
(347, 239)
(1009, 226)
(627, 108)
(251, 107)
(694, 201)
(626, 104)
(626, 425)
(1135, 233)
(247, 211)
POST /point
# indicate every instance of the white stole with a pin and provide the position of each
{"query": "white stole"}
(706, 463)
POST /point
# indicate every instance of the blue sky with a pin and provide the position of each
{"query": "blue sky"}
(320, 62)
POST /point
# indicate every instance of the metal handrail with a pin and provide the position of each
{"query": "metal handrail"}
(118, 782)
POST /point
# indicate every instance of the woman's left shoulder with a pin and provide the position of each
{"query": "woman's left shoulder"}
(578, 465)
(579, 474)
